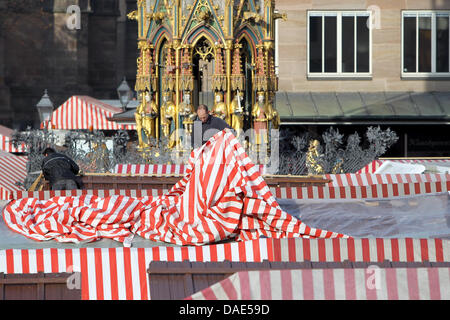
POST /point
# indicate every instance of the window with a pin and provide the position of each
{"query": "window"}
(339, 44)
(425, 43)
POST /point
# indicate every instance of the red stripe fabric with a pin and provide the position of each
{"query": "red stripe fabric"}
(222, 196)
(98, 273)
(25, 261)
(9, 261)
(84, 274)
(350, 285)
(113, 274)
(143, 273)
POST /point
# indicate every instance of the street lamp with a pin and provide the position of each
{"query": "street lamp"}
(45, 109)
(125, 93)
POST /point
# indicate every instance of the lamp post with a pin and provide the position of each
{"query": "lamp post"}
(125, 94)
(45, 109)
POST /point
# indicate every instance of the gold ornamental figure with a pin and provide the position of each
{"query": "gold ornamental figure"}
(187, 112)
(274, 115)
(313, 157)
(237, 113)
(233, 40)
(314, 160)
(146, 115)
(261, 119)
(220, 109)
(139, 116)
(150, 116)
(168, 114)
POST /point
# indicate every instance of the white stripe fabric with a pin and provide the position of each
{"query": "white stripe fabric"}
(222, 196)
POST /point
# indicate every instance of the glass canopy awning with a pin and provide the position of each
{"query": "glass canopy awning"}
(363, 107)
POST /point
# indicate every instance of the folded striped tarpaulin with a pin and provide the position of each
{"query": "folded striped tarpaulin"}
(222, 196)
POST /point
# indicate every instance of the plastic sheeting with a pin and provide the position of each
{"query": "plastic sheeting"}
(408, 217)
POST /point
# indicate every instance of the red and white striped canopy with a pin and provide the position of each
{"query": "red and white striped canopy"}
(375, 164)
(83, 112)
(5, 141)
(332, 284)
(328, 192)
(222, 196)
(158, 169)
(367, 179)
(12, 169)
(121, 273)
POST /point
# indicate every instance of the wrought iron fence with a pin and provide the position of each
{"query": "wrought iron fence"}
(90, 151)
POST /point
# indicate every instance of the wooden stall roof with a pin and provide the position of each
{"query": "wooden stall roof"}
(40, 286)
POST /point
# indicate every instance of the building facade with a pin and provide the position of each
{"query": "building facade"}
(217, 53)
(357, 63)
(349, 63)
(387, 50)
(70, 47)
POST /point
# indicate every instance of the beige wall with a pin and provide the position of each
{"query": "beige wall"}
(386, 47)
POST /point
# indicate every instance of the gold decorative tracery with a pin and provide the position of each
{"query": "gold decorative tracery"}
(202, 12)
(188, 33)
(204, 50)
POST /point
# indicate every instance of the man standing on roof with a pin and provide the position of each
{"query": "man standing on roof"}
(206, 126)
(60, 171)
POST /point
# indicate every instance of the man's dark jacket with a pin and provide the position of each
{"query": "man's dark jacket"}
(57, 166)
(209, 129)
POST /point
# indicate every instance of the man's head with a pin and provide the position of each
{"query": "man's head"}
(203, 113)
(48, 151)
